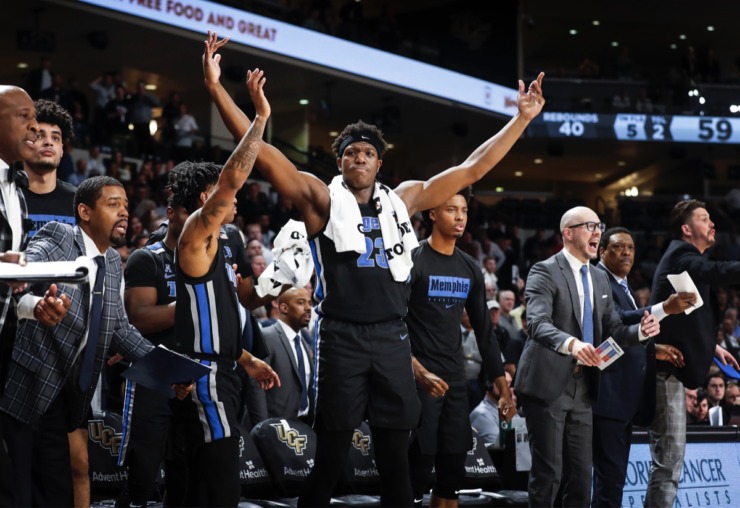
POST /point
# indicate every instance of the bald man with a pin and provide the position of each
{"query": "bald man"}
(290, 356)
(570, 311)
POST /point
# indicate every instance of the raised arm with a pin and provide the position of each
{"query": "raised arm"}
(198, 243)
(307, 192)
(419, 195)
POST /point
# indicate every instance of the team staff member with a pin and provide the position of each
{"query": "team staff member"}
(363, 360)
(693, 334)
(444, 282)
(209, 326)
(627, 387)
(18, 130)
(570, 311)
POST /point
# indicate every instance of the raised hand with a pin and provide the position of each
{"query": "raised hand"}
(255, 84)
(211, 60)
(530, 103)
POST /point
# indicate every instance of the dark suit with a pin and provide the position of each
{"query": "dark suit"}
(694, 335)
(42, 400)
(626, 391)
(283, 401)
(7, 334)
(557, 398)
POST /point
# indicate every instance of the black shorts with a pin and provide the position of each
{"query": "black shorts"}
(363, 371)
(445, 422)
(209, 413)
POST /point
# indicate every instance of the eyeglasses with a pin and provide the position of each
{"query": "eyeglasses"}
(590, 226)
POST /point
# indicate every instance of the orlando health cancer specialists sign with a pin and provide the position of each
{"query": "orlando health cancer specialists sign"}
(710, 476)
(317, 48)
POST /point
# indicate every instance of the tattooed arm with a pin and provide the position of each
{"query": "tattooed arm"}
(198, 243)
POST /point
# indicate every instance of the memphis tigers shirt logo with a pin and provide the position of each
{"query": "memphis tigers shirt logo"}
(448, 289)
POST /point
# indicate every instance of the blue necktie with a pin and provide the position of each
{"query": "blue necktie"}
(626, 288)
(588, 313)
(301, 372)
(96, 312)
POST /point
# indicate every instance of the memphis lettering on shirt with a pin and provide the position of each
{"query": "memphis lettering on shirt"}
(443, 287)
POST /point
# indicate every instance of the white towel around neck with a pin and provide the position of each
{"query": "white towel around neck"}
(345, 226)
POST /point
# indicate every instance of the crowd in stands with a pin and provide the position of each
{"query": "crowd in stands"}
(494, 235)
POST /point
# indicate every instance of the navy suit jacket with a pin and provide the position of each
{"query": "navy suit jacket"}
(627, 387)
(44, 357)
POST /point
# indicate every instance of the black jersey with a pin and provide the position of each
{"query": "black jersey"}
(154, 266)
(208, 316)
(230, 240)
(354, 287)
(57, 205)
(441, 286)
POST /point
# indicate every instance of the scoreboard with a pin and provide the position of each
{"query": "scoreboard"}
(637, 127)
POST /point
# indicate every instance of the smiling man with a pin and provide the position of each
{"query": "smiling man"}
(693, 334)
(570, 311)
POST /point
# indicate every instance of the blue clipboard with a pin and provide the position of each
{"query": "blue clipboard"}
(728, 370)
(162, 368)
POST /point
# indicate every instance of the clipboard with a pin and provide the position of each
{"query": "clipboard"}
(728, 370)
(71, 272)
(161, 368)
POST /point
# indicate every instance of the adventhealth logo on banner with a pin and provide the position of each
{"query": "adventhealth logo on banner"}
(710, 476)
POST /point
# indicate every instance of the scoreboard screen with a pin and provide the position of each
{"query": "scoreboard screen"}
(637, 127)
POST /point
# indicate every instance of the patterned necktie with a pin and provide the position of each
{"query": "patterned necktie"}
(96, 312)
(626, 289)
(588, 314)
(301, 372)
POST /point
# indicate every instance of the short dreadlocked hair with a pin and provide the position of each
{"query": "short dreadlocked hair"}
(187, 180)
(53, 114)
(360, 131)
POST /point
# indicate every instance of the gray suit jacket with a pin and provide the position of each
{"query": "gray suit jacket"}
(284, 401)
(554, 315)
(43, 357)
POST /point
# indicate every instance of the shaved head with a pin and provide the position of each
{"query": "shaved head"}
(574, 216)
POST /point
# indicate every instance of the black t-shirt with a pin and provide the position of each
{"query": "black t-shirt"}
(357, 288)
(57, 205)
(154, 266)
(441, 286)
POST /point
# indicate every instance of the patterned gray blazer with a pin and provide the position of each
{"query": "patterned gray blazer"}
(43, 357)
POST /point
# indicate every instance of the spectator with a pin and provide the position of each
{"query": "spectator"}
(140, 115)
(95, 162)
(506, 300)
(80, 173)
(715, 388)
(258, 265)
(39, 79)
(484, 418)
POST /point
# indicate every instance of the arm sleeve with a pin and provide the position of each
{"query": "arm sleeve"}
(480, 319)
